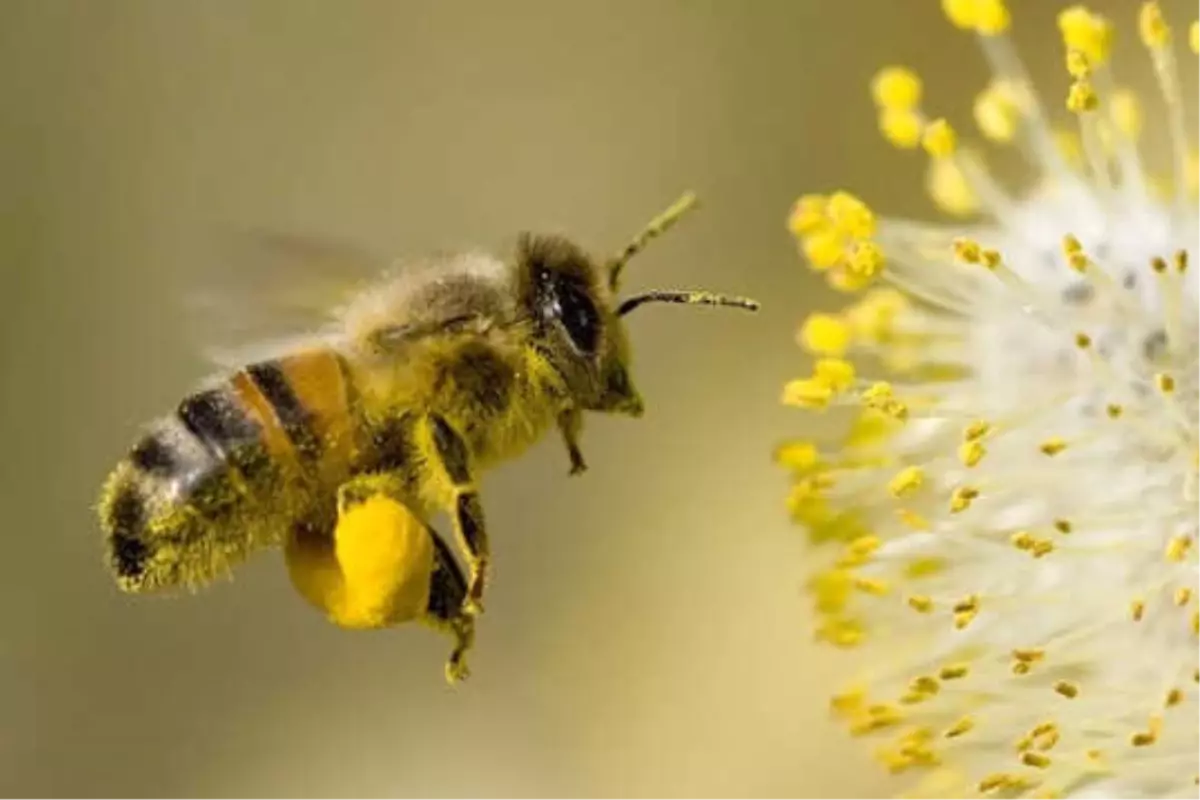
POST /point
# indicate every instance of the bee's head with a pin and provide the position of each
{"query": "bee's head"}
(572, 300)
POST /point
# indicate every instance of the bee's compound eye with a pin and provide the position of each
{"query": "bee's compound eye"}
(578, 315)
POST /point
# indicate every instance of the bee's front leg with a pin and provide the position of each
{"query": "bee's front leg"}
(449, 449)
(570, 425)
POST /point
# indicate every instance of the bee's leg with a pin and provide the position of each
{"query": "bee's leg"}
(570, 424)
(447, 590)
(451, 450)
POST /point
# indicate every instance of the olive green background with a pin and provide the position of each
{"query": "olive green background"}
(646, 633)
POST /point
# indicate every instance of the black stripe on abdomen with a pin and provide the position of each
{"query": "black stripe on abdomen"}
(125, 519)
(218, 421)
(295, 419)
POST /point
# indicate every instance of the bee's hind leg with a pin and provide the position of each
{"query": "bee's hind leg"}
(447, 590)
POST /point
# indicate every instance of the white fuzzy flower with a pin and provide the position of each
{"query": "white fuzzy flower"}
(1010, 526)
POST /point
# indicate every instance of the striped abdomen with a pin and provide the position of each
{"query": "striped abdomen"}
(229, 471)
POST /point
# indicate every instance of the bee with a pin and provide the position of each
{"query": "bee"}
(343, 445)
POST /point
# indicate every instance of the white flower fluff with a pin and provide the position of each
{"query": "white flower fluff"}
(1006, 536)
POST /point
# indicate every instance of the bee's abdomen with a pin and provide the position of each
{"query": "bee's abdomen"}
(226, 473)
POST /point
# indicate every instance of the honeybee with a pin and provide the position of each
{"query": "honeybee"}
(343, 445)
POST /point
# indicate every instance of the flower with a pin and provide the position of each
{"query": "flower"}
(1006, 535)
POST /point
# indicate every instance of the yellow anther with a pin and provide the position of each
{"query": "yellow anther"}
(1143, 738)
(877, 394)
(1071, 245)
(1174, 697)
(1043, 728)
(1151, 25)
(1078, 65)
(968, 603)
(1079, 262)
(1165, 382)
(1114, 410)
(1022, 540)
(848, 702)
(912, 519)
(808, 214)
(826, 334)
(961, 13)
(797, 456)
(1063, 526)
(1095, 754)
(901, 127)
(1158, 264)
(968, 251)
(1195, 623)
(1086, 32)
(1048, 741)
(949, 188)
(1053, 446)
(1067, 689)
(971, 453)
(1021, 668)
(865, 545)
(1182, 595)
(1137, 610)
(872, 586)
(1082, 97)
(964, 725)
(1003, 780)
(1024, 743)
(1181, 261)
(990, 258)
(939, 139)
(824, 248)
(964, 618)
(924, 567)
(907, 482)
(1178, 547)
(1069, 146)
(997, 112)
(850, 215)
(866, 260)
(836, 373)
(896, 87)
(807, 393)
(925, 684)
(1083, 341)
(1042, 547)
(1038, 760)
(976, 431)
(920, 603)
(1029, 655)
(1194, 37)
(952, 672)
(1126, 113)
(961, 498)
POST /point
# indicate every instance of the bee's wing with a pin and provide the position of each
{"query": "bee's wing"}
(268, 292)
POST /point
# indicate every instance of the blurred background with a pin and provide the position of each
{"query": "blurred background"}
(646, 633)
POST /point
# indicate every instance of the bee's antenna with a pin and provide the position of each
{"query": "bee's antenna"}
(658, 226)
(689, 298)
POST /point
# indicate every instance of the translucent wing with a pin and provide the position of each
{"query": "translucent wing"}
(265, 292)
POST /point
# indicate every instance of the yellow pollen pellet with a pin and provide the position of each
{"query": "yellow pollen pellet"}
(1165, 382)
(1126, 113)
(1174, 697)
(1082, 97)
(1067, 689)
(952, 672)
(920, 603)
(1182, 596)
(971, 453)
(1151, 25)
(961, 498)
(964, 725)
(1114, 410)
(907, 482)
(1029, 654)
(1178, 547)
(1038, 760)
(939, 139)
(1083, 341)
(850, 215)
(1137, 610)
(1089, 33)
(896, 87)
(825, 334)
(1053, 446)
